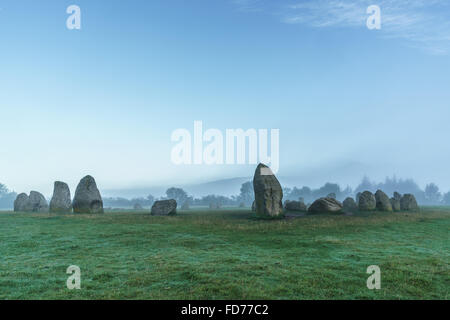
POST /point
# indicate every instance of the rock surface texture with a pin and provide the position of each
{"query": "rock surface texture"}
(268, 192)
(87, 197)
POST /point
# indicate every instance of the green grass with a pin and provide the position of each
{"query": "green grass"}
(225, 254)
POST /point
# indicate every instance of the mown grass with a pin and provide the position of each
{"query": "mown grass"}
(225, 255)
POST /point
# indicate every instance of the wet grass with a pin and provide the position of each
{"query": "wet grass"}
(225, 254)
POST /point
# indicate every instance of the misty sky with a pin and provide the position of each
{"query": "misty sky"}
(105, 99)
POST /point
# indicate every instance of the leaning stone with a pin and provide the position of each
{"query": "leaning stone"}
(268, 193)
(164, 208)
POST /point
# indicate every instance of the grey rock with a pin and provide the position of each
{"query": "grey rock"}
(325, 205)
(382, 201)
(295, 206)
(87, 197)
(367, 201)
(395, 203)
(268, 192)
(349, 205)
(61, 201)
(22, 203)
(409, 203)
(38, 202)
(331, 195)
(397, 196)
(164, 208)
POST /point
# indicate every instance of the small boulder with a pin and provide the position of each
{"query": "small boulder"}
(87, 197)
(61, 201)
(295, 206)
(349, 205)
(38, 202)
(382, 201)
(409, 203)
(164, 208)
(325, 205)
(268, 192)
(22, 203)
(367, 201)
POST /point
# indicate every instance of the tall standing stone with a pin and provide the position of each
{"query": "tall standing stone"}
(87, 198)
(268, 192)
(22, 203)
(382, 201)
(61, 201)
(367, 201)
(38, 202)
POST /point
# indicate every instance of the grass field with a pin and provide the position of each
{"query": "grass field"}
(225, 255)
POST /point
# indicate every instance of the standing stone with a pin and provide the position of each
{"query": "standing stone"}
(350, 205)
(61, 201)
(295, 206)
(164, 208)
(87, 198)
(254, 206)
(367, 201)
(38, 202)
(357, 197)
(332, 195)
(22, 203)
(395, 204)
(409, 203)
(268, 192)
(397, 196)
(325, 205)
(382, 201)
(137, 206)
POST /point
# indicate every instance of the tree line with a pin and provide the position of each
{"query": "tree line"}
(431, 195)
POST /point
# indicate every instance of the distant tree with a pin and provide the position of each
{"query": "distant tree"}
(446, 199)
(365, 185)
(247, 194)
(178, 194)
(327, 189)
(7, 197)
(432, 194)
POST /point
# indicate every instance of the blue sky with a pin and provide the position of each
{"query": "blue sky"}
(105, 99)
